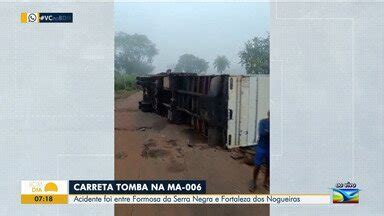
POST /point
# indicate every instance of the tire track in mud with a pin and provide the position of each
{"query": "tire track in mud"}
(168, 151)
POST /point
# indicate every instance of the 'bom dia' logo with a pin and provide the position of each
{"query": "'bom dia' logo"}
(48, 187)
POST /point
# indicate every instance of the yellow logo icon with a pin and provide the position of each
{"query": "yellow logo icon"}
(50, 186)
(29, 17)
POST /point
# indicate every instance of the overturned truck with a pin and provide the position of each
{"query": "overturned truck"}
(223, 108)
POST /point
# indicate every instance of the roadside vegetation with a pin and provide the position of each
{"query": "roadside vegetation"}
(255, 55)
(125, 85)
(220, 64)
(134, 56)
(189, 63)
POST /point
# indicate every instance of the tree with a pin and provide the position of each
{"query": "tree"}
(134, 53)
(221, 63)
(255, 56)
(191, 63)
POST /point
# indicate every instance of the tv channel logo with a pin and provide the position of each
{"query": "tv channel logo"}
(46, 17)
(345, 195)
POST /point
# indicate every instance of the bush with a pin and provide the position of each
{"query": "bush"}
(125, 82)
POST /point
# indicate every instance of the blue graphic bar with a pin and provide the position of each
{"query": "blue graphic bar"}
(56, 17)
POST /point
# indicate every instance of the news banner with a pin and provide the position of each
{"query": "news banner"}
(148, 192)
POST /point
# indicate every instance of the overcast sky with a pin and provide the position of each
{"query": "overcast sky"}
(202, 29)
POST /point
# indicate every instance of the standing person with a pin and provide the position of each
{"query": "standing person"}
(261, 154)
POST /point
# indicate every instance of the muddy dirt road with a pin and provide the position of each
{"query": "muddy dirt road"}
(148, 147)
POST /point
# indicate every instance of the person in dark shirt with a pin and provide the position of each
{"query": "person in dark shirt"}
(261, 154)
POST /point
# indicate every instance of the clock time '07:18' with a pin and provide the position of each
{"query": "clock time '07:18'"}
(43, 198)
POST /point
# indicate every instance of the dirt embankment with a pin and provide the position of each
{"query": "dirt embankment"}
(148, 147)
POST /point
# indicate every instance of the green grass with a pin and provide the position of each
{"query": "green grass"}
(125, 85)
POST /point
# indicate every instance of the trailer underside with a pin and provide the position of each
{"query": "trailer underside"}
(187, 98)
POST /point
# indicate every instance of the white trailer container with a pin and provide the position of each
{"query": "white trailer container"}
(248, 103)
